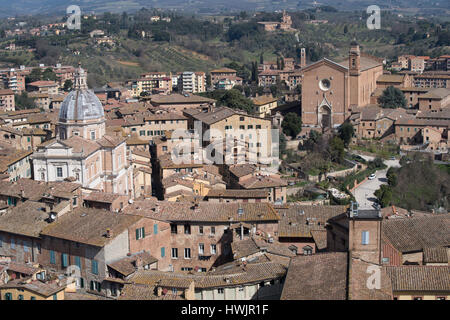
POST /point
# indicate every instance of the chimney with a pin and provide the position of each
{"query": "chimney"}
(139, 263)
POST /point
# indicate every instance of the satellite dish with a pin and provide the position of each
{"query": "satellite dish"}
(130, 201)
(52, 216)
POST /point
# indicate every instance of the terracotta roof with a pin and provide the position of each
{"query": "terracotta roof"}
(300, 221)
(438, 93)
(223, 70)
(127, 265)
(36, 190)
(23, 268)
(415, 234)
(27, 218)
(320, 238)
(104, 197)
(216, 115)
(398, 78)
(257, 182)
(419, 278)
(87, 225)
(321, 276)
(175, 98)
(43, 84)
(6, 161)
(262, 100)
(237, 194)
(442, 114)
(234, 276)
(45, 289)
(422, 122)
(241, 170)
(245, 248)
(206, 211)
(6, 92)
(435, 255)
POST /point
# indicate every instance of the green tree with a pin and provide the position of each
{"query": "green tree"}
(392, 98)
(48, 74)
(336, 149)
(384, 195)
(35, 75)
(68, 85)
(391, 177)
(345, 29)
(23, 101)
(235, 100)
(208, 81)
(346, 133)
(292, 124)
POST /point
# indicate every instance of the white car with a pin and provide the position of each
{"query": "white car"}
(372, 176)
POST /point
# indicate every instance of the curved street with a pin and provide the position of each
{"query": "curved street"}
(364, 194)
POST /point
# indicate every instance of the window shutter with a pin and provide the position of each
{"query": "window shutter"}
(155, 229)
(163, 252)
(52, 257)
(92, 285)
(143, 232)
(137, 234)
(365, 237)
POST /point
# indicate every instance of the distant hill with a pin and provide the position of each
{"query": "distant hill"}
(24, 7)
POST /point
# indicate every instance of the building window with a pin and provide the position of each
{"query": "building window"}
(8, 296)
(20, 296)
(140, 233)
(440, 298)
(163, 252)
(187, 253)
(201, 248)
(78, 262)
(32, 298)
(365, 238)
(92, 135)
(155, 229)
(200, 229)
(417, 298)
(173, 228)
(213, 249)
(94, 267)
(59, 172)
(220, 291)
(174, 253)
(142, 133)
(213, 230)
(52, 257)
(64, 260)
(187, 229)
(96, 286)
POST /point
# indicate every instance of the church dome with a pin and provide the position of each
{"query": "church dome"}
(81, 104)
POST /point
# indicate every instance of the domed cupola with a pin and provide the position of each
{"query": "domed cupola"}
(81, 112)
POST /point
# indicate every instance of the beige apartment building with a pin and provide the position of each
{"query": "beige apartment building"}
(7, 102)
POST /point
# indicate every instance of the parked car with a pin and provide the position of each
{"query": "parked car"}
(372, 176)
(392, 158)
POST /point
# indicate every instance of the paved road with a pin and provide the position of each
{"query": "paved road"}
(364, 194)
